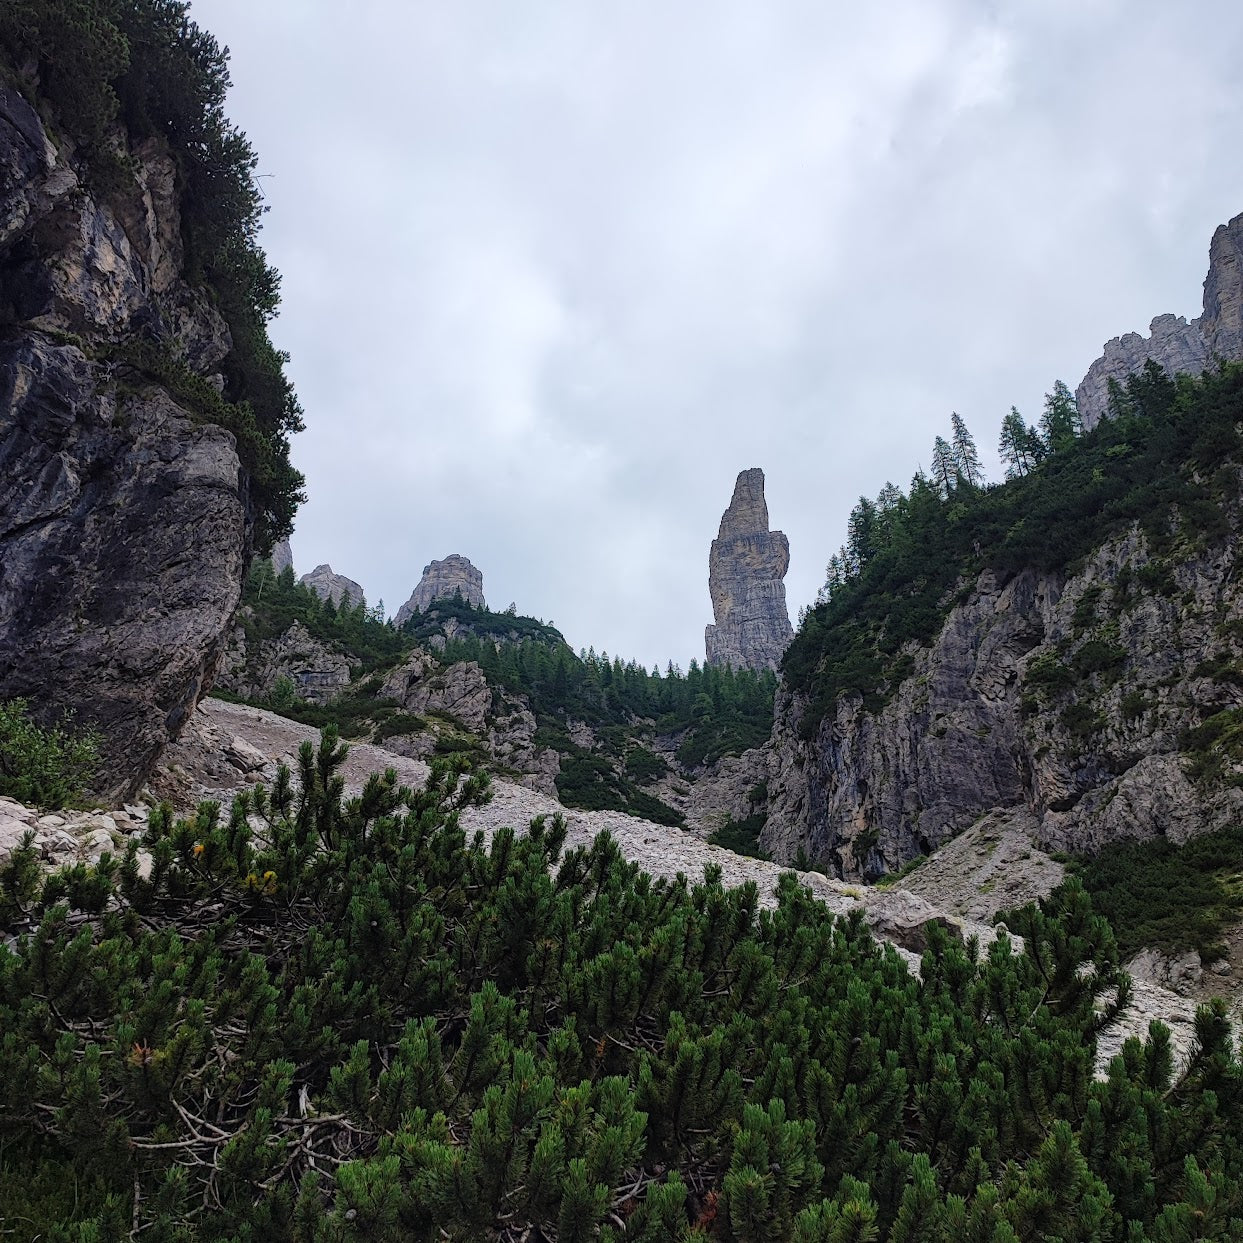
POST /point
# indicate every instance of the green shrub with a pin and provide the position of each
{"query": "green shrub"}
(742, 837)
(47, 768)
(644, 766)
(329, 1021)
(1082, 720)
(1047, 673)
(1175, 898)
(1099, 656)
(398, 723)
(1084, 617)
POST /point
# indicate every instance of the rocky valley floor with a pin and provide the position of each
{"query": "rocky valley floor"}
(989, 868)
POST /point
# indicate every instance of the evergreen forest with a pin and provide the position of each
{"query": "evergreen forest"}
(703, 714)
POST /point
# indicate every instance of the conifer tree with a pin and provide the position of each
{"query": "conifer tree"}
(944, 469)
(1020, 447)
(1059, 424)
(966, 457)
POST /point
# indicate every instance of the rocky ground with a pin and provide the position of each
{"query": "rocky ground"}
(991, 867)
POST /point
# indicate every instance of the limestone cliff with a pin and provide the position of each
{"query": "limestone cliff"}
(252, 668)
(1178, 346)
(441, 581)
(329, 585)
(124, 519)
(1075, 699)
(746, 566)
(282, 556)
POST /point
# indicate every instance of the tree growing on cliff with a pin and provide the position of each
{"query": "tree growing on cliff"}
(1059, 424)
(966, 456)
(944, 469)
(1020, 447)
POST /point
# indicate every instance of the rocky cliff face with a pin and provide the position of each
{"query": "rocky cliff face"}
(460, 697)
(1079, 700)
(124, 521)
(745, 570)
(331, 586)
(1175, 344)
(440, 581)
(318, 671)
(282, 556)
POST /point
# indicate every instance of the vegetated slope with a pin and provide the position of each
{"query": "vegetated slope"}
(1067, 642)
(504, 690)
(145, 413)
(359, 1025)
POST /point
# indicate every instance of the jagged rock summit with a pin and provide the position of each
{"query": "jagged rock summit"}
(1173, 342)
(745, 571)
(440, 581)
(331, 586)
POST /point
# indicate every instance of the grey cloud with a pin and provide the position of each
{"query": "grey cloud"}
(554, 273)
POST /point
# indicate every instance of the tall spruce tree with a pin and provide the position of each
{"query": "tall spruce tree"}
(1059, 424)
(944, 470)
(966, 456)
(1020, 447)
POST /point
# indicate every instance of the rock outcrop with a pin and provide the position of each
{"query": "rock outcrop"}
(318, 671)
(282, 556)
(441, 581)
(331, 586)
(124, 521)
(459, 696)
(1069, 698)
(745, 570)
(1173, 342)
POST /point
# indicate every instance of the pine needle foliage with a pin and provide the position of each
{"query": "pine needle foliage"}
(330, 1020)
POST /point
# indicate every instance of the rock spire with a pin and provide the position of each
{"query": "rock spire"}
(1173, 342)
(440, 581)
(745, 569)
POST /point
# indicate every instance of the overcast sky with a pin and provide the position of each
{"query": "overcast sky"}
(555, 272)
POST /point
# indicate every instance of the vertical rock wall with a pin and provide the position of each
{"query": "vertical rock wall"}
(124, 521)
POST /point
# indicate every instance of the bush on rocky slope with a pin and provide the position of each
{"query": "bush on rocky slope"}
(43, 767)
(319, 1020)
